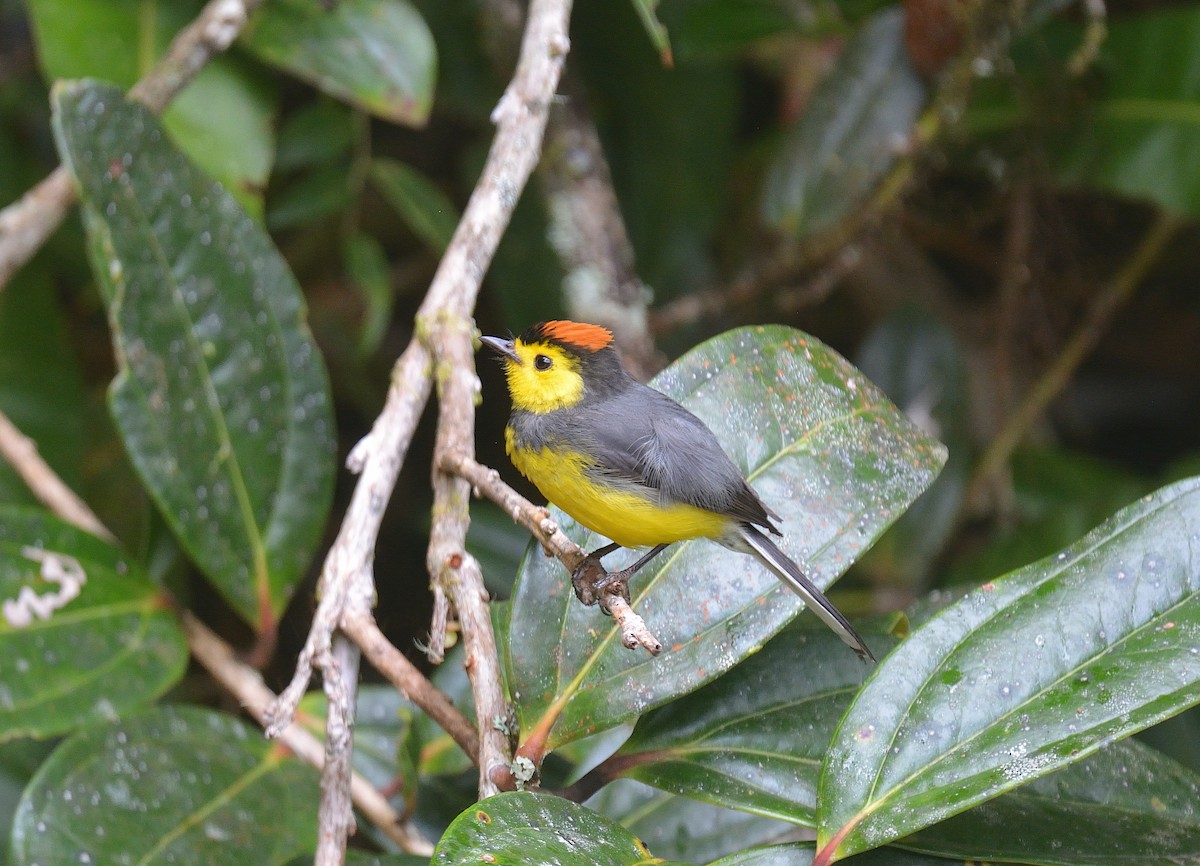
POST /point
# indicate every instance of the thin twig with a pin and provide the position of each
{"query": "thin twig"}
(245, 683)
(27, 223)
(1096, 321)
(21, 453)
(400, 672)
(335, 818)
(634, 631)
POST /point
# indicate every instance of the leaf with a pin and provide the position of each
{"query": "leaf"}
(222, 120)
(754, 738)
(104, 623)
(851, 133)
(171, 785)
(376, 54)
(1125, 805)
(681, 828)
(1144, 127)
(647, 10)
(822, 446)
(222, 398)
(1022, 676)
(524, 827)
(424, 208)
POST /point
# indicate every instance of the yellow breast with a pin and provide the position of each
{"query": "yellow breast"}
(629, 519)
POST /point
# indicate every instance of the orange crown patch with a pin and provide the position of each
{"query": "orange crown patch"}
(592, 338)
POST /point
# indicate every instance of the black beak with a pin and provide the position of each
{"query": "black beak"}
(501, 346)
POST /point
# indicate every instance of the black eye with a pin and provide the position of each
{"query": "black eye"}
(543, 362)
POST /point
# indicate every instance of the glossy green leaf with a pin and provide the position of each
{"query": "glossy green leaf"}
(524, 827)
(222, 120)
(222, 399)
(41, 389)
(680, 828)
(423, 207)
(376, 54)
(171, 785)
(1126, 805)
(851, 133)
(1022, 676)
(78, 617)
(823, 447)
(754, 738)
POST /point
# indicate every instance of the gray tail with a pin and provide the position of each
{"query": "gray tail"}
(765, 551)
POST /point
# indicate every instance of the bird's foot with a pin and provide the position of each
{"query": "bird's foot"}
(592, 582)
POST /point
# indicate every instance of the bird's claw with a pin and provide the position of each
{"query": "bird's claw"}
(592, 582)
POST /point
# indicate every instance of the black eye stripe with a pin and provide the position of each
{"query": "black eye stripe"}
(542, 362)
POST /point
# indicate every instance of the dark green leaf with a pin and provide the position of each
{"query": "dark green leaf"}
(367, 266)
(1125, 805)
(376, 54)
(78, 617)
(172, 785)
(310, 197)
(754, 738)
(423, 207)
(222, 120)
(524, 827)
(822, 446)
(319, 133)
(222, 398)
(680, 828)
(1023, 676)
(850, 135)
(1143, 131)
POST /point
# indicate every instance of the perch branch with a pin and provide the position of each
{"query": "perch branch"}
(634, 631)
(347, 590)
(27, 223)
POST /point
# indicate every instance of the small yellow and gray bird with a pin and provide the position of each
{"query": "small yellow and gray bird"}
(630, 463)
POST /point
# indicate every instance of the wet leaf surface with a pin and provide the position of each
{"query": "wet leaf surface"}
(1024, 675)
(221, 397)
(78, 617)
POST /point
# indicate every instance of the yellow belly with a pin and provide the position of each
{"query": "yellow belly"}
(627, 518)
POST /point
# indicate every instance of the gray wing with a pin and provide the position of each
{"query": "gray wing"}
(639, 428)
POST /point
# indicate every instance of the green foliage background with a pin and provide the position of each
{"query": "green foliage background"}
(198, 350)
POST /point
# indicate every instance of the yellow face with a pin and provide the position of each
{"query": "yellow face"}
(544, 379)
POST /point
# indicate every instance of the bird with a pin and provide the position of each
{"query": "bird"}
(631, 464)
